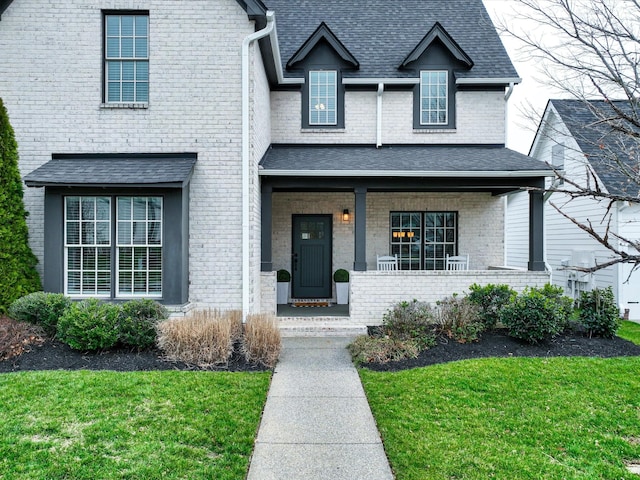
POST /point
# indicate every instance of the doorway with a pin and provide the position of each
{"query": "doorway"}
(311, 256)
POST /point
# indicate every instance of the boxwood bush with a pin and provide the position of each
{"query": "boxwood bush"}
(138, 321)
(40, 308)
(599, 313)
(90, 325)
(490, 299)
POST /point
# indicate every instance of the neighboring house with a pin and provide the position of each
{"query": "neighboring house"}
(188, 150)
(572, 140)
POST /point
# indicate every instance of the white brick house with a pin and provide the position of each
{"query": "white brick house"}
(187, 150)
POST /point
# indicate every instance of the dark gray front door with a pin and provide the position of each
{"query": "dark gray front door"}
(311, 257)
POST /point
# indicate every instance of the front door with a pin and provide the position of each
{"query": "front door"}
(311, 256)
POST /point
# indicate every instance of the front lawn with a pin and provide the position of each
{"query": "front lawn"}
(514, 418)
(108, 425)
(630, 331)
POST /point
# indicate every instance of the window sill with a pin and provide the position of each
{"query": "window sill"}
(322, 130)
(434, 130)
(129, 106)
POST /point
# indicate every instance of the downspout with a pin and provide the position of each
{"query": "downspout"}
(379, 116)
(509, 92)
(246, 159)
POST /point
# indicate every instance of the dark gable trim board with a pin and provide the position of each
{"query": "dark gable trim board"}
(4, 4)
(438, 32)
(323, 32)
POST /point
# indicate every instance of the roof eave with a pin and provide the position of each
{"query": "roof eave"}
(488, 81)
(406, 173)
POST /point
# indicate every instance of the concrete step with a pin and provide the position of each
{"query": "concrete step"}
(319, 327)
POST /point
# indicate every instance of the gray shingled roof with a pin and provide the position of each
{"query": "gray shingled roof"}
(141, 172)
(409, 158)
(381, 33)
(600, 144)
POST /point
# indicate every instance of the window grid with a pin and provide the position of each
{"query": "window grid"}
(422, 240)
(139, 246)
(87, 246)
(323, 94)
(433, 97)
(127, 58)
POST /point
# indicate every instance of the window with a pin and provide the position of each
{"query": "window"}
(323, 95)
(90, 250)
(433, 97)
(422, 240)
(127, 58)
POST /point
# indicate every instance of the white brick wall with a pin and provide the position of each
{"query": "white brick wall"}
(51, 81)
(480, 118)
(373, 293)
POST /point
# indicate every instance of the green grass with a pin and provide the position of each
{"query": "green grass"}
(516, 418)
(630, 331)
(108, 425)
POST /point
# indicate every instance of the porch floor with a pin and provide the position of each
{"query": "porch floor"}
(334, 310)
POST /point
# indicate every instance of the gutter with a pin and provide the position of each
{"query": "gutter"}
(404, 173)
(246, 158)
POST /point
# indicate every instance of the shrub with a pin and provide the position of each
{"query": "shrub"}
(564, 303)
(533, 316)
(599, 313)
(490, 299)
(283, 276)
(89, 325)
(138, 321)
(203, 338)
(365, 349)
(411, 321)
(40, 308)
(262, 342)
(458, 319)
(235, 317)
(341, 276)
(18, 275)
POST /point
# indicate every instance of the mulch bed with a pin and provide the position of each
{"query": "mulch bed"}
(572, 343)
(24, 347)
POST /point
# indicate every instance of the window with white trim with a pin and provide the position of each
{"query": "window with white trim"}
(422, 240)
(434, 97)
(323, 96)
(126, 47)
(95, 263)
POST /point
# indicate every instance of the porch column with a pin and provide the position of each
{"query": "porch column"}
(360, 254)
(536, 229)
(266, 258)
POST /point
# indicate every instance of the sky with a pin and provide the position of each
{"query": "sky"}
(532, 91)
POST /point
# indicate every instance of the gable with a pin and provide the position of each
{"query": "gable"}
(437, 36)
(322, 36)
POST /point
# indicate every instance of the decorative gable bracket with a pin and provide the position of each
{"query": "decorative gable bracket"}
(323, 32)
(437, 32)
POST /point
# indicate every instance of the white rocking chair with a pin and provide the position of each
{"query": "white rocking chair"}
(457, 262)
(387, 262)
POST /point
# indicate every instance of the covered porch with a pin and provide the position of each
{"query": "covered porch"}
(316, 220)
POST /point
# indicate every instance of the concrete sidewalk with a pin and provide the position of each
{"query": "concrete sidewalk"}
(317, 423)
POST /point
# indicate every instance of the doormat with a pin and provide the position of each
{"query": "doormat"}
(310, 303)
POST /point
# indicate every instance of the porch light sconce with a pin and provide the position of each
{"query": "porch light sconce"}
(345, 215)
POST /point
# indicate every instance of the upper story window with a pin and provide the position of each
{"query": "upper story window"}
(126, 47)
(323, 96)
(434, 97)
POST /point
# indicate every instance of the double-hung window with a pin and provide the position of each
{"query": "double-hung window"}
(323, 97)
(126, 58)
(422, 240)
(434, 97)
(100, 264)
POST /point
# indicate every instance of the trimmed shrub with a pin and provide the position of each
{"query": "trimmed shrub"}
(283, 275)
(341, 276)
(18, 275)
(365, 349)
(138, 321)
(203, 338)
(458, 319)
(490, 299)
(411, 321)
(40, 308)
(262, 342)
(599, 313)
(533, 316)
(90, 325)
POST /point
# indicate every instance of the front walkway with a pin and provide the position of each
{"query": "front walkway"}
(317, 423)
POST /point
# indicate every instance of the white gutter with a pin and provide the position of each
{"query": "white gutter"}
(509, 92)
(403, 173)
(488, 81)
(246, 159)
(379, 116)
(374, 81)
